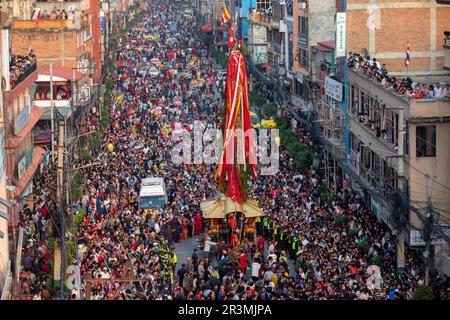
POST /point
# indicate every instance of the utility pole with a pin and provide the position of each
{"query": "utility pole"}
(400, 235)
(59, 199)
(429, 221)
(52, 114)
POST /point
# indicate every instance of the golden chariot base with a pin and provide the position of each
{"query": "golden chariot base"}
(218, 208)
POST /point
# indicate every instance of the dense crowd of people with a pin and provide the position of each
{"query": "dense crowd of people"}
(56, 14)
(303, 248)
(402, 86)
(19, 66)
(38, 224)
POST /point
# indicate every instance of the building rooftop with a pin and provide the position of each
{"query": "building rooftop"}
(405, 87)
(21, 67)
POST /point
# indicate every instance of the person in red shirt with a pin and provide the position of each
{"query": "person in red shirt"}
(261, 242)
(234, 239)
(197, 225)
(44, 212)
(243, 262)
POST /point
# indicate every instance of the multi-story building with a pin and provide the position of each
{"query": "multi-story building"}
(5, 270)
(446, 46)
(382, 29)
(313, 22)
(72, 29)
(399, 144)
(20, 114)
(74, 38)
(376, 141)
(270, 37)
(259, 22)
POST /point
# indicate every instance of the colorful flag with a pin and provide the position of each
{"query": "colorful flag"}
(408, 56)
(226, 14)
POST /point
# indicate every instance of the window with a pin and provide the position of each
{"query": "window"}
(304, 58)
(301, 89)
(364, 106)
(354, 143)
(303, 25)
(375, 178)
(277, 13)
(290, 8)
(354, 107)
(426, 141)
(406, 138)
(262, 5)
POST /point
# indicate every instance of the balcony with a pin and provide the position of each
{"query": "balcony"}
(22, 75)
(69, 24)
(49, 5)
(19, 73)
(368, 134)
(26, 168)
(22, 124)
(429, 110)
(64, 107)
(322, 72)
(262, 18)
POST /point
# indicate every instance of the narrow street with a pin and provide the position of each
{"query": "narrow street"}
(137, 199)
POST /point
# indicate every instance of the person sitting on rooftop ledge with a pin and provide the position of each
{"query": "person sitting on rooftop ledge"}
(447, 91)
(405, 87)
(19, 65)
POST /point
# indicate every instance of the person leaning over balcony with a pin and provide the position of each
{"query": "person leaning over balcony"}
(438, 91)
(53, 15)
(63, 14)
(430, 92)
(447, 91)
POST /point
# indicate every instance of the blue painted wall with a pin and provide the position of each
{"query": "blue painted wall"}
(246, 4)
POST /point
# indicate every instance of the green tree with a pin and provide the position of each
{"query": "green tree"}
(422, 293)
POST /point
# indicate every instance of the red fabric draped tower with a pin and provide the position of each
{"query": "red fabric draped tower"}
(237, 117)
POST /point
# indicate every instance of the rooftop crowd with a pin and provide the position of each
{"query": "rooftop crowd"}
(405, 86)
(19, 65)
(56, 14)
(305, 248)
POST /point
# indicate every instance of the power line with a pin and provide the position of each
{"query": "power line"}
(425, 175)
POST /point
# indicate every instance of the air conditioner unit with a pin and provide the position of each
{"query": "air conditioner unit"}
(302, 5)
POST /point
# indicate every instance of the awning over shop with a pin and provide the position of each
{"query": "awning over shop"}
(38, 155)
(65, 112)
(218, 208)
(207, 27)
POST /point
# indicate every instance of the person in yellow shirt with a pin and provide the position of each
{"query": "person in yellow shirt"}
(275, 279)
(174, 258)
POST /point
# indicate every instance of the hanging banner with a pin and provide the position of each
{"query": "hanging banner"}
(333, 89)
(102, 21)
(340, 34)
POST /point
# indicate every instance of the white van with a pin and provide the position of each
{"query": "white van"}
(153, 193)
